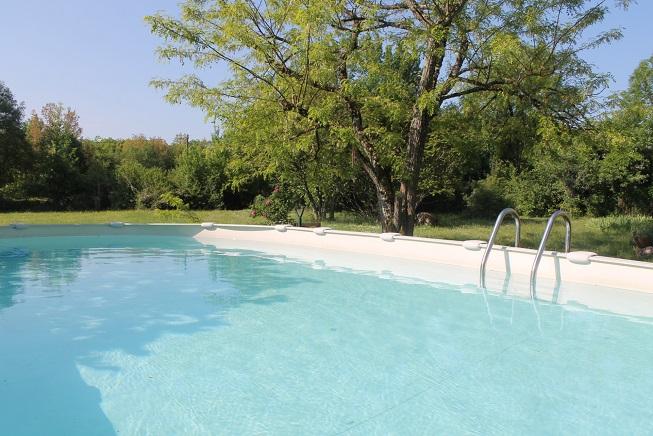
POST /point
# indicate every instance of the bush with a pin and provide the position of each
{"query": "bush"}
(171, 208)
(200, 177)
(146, 185)
(169, 201)
(488, 197)
(274, 208)
(536, 193)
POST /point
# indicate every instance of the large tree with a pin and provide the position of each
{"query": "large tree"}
(14, 149)
(286, 149)
(377, 73)
(628, 158)
(55, 136)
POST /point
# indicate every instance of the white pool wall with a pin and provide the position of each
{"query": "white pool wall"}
(599, 270)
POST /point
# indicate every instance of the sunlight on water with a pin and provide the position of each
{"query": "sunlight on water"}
(168, 336)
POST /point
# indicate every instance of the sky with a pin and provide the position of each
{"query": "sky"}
(98, 57)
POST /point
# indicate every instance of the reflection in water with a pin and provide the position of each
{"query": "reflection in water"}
(12, 260)
(112, 299)
(51, 270)
(55, 270)
(168, 336)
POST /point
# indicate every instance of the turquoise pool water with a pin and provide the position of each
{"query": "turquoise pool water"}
(163, 336)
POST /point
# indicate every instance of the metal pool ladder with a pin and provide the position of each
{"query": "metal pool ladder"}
(490, 243)
(547, 232)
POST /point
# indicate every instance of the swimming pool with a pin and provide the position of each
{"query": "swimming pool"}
(137, 334)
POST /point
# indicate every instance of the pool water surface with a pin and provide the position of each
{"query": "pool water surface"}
(165, 335)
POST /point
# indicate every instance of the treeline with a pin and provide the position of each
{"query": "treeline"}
(482, 154)
(601, 165)
(47, 164)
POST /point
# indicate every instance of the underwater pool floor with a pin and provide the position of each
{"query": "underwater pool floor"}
(165, 335)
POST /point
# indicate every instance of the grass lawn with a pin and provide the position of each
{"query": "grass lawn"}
(610, 236)
(131, 216)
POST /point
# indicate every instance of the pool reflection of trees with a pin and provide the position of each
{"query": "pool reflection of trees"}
(51, 271)
(125, 318)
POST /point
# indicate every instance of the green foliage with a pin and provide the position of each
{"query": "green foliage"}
(103, 187)
(275, 208)
(15, 153)
(147, 185)
(598, 168)
(171, 208)
(149, 152)
(482, 150)
(488, 197)
(199, 176)
(55, 136)
(169, 201)
(277, 146)
(628, 135)
(536, 192)
(70, 173)
(457, 155)
(380, 84)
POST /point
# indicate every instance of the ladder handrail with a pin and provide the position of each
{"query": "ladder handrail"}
(545, 237)
(495, 230)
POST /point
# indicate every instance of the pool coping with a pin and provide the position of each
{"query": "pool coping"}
(591, 269)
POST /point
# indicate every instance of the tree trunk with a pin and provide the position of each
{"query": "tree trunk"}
(386, 209)
(400, 210)
(417, 132)
(385, 194)
(381, 177)
(408, 225)
(331, 209)
(315, 203)
(414, 156)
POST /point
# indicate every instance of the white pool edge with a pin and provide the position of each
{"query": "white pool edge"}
(599, 270)
(606, 284)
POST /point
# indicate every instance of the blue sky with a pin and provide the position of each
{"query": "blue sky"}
(98, 57)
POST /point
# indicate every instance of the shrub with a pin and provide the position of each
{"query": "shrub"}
(488, 197)
(171, 208)
(147, 185)
(200, 177)
(169, 201)
(537, 193)
(274, 208)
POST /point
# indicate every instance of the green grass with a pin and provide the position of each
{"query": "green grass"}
(130, 216)
(607, 236)
(611, 236)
